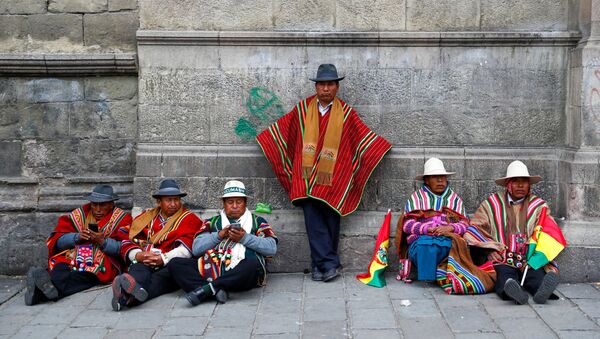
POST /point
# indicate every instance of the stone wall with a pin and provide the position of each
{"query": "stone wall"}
(478, 83)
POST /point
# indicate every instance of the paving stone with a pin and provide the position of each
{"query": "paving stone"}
(9, 288)
(277, 336)
(372, 319)
(276, 323)
(11, 323)
(445, 300)
(65, 316)
(130, 334)
(324, 329)
(16, 306)
(588, 306)
(488, 335)
(164, 302)
(225, 332)
(87, 332)
(510, 311)
(83, 298)
(579, 291)
(578, 334)
(284, 283)
(467, 318)
(319, 289)
(183, 308)
(565, 318)
(244, 316)
(96, 318)
(516, 327)
(102, 300)
(415, 327)
(325, 309)
(187, 326)
(379, 302)
(418, 308)
(415, 290)
(139, 319)
(373, 334)
(281, 302)
(33, 331)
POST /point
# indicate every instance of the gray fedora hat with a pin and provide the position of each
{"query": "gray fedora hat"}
(327, 72)
(168, 187)
(102, 193)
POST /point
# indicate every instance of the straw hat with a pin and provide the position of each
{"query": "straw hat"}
(433, 166)
(517, 169)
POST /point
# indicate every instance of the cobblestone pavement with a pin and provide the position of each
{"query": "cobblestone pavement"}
(293, 306)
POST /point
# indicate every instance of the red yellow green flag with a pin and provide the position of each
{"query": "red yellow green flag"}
(546, 242)
(379, 261)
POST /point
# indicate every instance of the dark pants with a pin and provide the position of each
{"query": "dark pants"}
(69, 282)
(243, 277)
(533, 280)
(155, 282)
(323, 230)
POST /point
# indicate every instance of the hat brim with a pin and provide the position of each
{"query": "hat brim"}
(533, 179)
(420, 177)
(234, 195)
(91, 198)
(326, 79)
(158, 195)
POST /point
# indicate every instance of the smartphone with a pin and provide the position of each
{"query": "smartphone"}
(236, 226)
(93, 227)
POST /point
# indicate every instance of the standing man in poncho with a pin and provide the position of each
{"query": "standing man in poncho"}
(323, 155)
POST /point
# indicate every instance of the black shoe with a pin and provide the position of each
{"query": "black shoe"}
(196, 296)
(221, 296)
(41, 280)
(515, 292)
(124, 287)
(545, 290)
(330, 275)
(316, 275)
(32, 295)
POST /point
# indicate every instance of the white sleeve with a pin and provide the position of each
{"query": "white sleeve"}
(132, 253)
(178, 252)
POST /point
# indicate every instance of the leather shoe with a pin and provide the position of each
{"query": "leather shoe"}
(330, 274)
(515, 292)
(316, 275)
(196, 296)
(545, 290)
(221, 296)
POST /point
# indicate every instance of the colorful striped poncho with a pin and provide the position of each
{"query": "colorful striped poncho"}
(423, 199)
(497, 220)
(360, 151)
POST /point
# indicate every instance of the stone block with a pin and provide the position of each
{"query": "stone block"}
(422, 57)
(77, 6)
(431, 15)
(498, 58)
(55, 26)
(229, 15)
(8, 93)
(111, 120)
(111, 30)
(298, 16)
(177, 57)
(42, 90)
(10, 115)
(372, 15)
(119, 5)
(110, 88)
(182, 123)
(23, 7)
(347, 59)
(79, 157)
(270, 57)
(46, 121)
(529, 126)
(13, 26)
(10, 158)
(546, 15)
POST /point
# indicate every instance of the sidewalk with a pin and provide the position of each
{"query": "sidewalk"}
(293, 306)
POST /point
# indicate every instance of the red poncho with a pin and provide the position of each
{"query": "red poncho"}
(360, 151)
(87, 257)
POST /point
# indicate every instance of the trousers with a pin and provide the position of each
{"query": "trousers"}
(323, 230)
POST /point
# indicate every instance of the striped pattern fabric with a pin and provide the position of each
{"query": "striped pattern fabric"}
(424, 200)
(360, 151)
(498, 207)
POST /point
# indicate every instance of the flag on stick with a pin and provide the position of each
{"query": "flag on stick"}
(380, 259)
(546, 242)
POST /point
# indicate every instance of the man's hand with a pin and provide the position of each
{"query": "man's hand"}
(236, 234)
(149, 259)
(495, 256)
(95, 237)
(224, 233)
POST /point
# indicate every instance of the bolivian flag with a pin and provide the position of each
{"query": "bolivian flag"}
(546, 242)
(380, 260)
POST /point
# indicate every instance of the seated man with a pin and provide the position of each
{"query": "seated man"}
(155, 237)
(431, 213)
(509, 218)
(232, 247)
(83, 249)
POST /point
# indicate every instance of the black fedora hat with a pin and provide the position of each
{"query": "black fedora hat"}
(102, 193)
(327, 72)
(168, 187)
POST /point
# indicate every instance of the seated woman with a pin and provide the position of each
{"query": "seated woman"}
(431, 229)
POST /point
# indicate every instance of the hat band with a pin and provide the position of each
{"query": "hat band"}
(234, 190)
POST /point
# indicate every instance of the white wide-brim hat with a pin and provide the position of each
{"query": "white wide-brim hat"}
(517, 169)
(234, 188)
(433, 166)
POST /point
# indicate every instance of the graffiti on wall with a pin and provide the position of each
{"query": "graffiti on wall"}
(264, 108)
